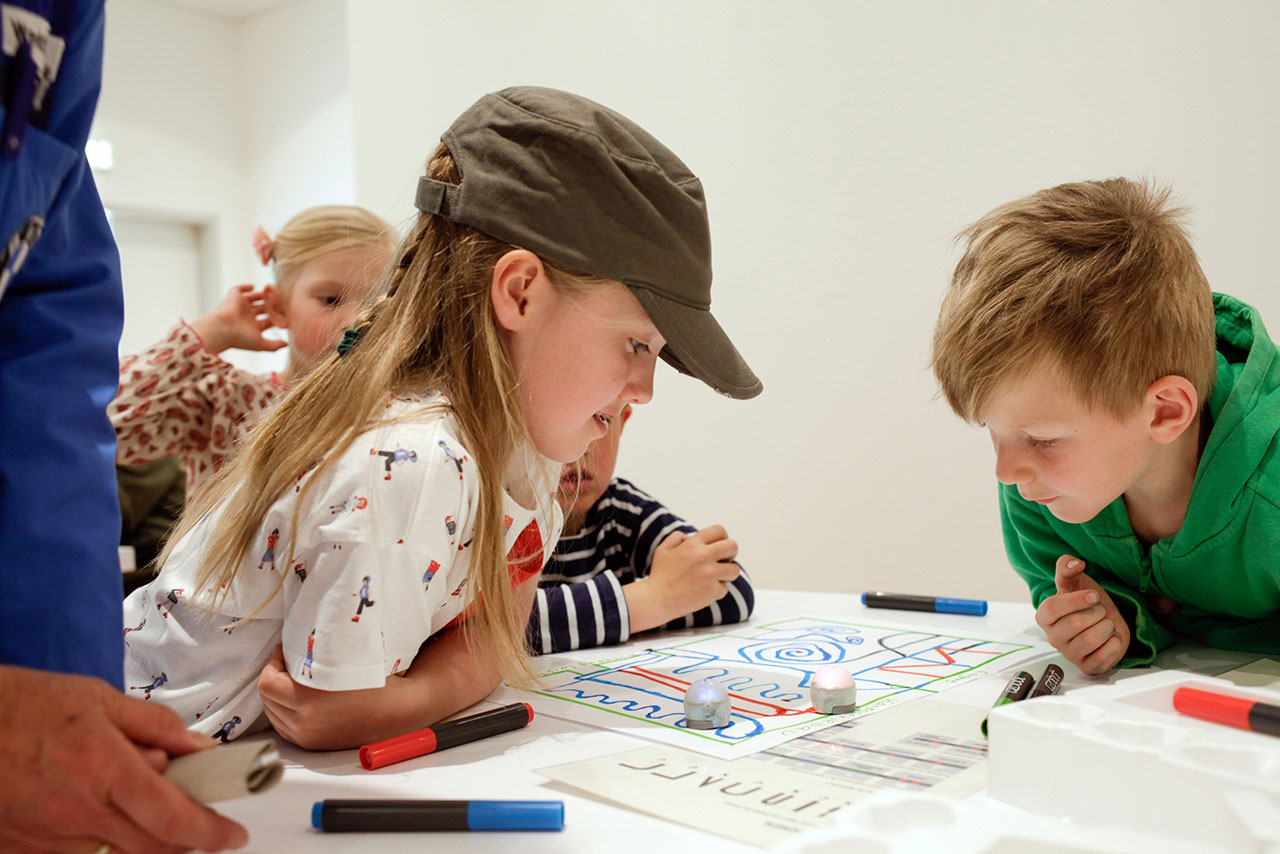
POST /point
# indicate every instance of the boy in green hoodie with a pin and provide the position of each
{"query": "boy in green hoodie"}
(1134, 416)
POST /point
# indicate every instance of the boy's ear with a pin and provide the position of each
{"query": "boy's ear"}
(519, 283)
(273, 304)
(1173, 406)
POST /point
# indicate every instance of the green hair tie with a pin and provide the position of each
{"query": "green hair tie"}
(348, 343)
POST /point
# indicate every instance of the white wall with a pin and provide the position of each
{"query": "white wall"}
(226, 124)
(170, 105)
(842, 145)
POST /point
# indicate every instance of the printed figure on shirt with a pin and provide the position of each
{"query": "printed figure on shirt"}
(311, 654)
(432, 569)
(128, 629)
(625, 563)
(452, 457)
(356, 503)
(269, 556)
(156, 682)
(165, 605)
(529, 361)
(364, 599)
(224, 732)
(398, 456)
(324, 263)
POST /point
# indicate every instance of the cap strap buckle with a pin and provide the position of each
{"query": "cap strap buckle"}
(434, 197)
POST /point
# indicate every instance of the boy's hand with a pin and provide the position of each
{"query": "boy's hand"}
(688, 573)
(238, 322)
(1081, 621)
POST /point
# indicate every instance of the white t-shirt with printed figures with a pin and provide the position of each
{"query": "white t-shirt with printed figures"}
(379, 565)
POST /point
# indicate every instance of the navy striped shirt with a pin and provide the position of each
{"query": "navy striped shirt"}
(580, 601)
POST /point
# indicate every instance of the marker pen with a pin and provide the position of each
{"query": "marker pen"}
(940, 604)
(333, 816)
(1225, 709)
(1050, 682)
(1017, 689)
(443, 736)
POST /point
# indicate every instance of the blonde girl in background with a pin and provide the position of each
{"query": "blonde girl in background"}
(177, 398)
(400, 498)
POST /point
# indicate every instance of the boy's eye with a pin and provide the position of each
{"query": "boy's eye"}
(1041, 443)
(639, 347)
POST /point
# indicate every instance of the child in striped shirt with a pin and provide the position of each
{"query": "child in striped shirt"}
(625, 563)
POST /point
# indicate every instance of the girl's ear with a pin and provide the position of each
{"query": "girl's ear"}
(518, 287)
(274, 305)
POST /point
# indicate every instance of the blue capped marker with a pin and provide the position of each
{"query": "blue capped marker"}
(382, 815)
(940, 604)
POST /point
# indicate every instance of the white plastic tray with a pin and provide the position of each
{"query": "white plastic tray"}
(1120, 756)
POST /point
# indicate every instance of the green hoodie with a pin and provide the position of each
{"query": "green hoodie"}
(1223, 564)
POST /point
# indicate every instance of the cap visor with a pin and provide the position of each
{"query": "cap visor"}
(699, 347)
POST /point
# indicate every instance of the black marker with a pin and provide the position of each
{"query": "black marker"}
(1050, 682)
(1017, 689)
(377, 815)
(940, 604)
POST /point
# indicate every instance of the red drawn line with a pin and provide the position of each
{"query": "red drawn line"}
(945, 652)
(774, 710)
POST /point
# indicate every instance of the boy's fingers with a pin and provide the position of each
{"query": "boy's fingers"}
(1054, 608)
(727, 571)
(1068, 574)
(673, 539)
(712, 534)
(1091, 640)
(723, 550)
(1103, 658)
(1075, 623)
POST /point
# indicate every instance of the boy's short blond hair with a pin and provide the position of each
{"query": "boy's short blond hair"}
(1097, 279)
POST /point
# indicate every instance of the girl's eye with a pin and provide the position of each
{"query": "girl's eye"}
(639, 347)
(330, 302)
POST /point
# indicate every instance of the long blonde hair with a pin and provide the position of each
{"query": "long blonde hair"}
(429, 326)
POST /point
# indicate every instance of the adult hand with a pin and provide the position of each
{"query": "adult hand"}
(1081, 621)
(238, 322)
(82, 768)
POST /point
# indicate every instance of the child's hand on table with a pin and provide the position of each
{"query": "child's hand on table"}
(688, 574)
(1081, 621)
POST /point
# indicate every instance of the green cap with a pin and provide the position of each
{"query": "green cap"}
(585, 187)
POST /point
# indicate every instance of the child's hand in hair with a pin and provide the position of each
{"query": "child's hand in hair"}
(1081, 621)
(688, 574)
(238, 322)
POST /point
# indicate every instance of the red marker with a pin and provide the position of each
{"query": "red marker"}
(443, 736)
(1225, 709)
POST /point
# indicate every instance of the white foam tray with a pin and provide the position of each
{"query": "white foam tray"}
(1120, 756)
(902, 823)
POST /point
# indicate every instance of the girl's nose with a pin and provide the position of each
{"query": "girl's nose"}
(639, 388)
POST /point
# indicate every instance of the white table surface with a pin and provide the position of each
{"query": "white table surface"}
(502, 767)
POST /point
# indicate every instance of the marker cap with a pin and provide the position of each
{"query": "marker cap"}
(971, 607)
(515, 815)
